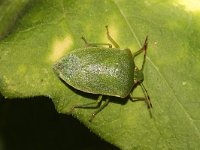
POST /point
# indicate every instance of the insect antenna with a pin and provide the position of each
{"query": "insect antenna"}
(148, 101)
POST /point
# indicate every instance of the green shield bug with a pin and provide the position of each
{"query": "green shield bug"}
(104, 71)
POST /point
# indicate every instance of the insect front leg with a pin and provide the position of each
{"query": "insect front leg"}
(144, 48)
(146, 97)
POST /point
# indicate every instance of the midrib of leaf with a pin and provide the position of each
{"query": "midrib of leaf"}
(140, 45)
(159, 73)
(127, 22)
(179, 103)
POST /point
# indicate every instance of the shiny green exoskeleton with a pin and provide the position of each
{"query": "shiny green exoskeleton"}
(104, 71)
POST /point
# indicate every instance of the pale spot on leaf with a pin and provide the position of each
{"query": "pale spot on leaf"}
(184, 83)
(60, 47)
(190, 5)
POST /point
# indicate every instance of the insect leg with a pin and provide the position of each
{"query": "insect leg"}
(137, 98)
(95, 44)
(99, 109)
(88, 105)
(146, 98)
(144, 48)
(111, 39)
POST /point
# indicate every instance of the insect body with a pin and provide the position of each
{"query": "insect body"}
(104, 71)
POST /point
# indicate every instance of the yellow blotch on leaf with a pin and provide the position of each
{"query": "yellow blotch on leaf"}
(60, 47)
(190, 5)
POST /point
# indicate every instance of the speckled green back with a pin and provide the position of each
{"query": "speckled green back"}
(107, 71)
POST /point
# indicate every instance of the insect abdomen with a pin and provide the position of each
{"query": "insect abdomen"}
(103, 71)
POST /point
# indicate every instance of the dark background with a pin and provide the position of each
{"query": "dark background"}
(34, 124)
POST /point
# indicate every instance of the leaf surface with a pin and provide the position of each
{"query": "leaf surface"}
(50, 29)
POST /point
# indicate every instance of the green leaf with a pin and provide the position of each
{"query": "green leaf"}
(49, 29)
(10, 11)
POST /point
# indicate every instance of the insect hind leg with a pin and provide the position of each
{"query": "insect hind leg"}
(95, 44)
(99, 109)
(98, 104)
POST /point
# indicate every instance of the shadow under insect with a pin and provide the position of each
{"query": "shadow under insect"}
(99, 102)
